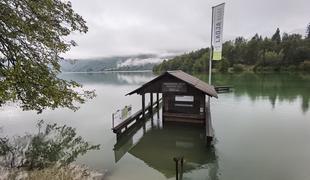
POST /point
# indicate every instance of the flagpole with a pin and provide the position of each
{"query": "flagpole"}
(210, 54)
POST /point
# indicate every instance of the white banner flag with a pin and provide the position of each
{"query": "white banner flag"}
(217, 30)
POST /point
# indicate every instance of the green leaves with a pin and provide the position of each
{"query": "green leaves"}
(55, 145)
(291, 52)
(32, 37)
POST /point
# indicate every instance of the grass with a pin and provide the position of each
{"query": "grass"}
(72, 172)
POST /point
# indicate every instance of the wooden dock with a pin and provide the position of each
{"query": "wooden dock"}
(223, 89)
(128, 123)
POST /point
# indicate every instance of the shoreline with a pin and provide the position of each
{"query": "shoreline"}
(72, 171)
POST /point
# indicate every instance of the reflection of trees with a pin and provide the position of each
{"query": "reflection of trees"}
(274, 86)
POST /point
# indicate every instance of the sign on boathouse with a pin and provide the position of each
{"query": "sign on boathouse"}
(173, 87)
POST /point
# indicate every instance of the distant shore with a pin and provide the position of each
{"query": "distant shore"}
(106, 71)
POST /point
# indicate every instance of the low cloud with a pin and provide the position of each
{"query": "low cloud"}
(121, 27)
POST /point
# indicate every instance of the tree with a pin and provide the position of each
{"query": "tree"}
(252, 53)
(308, 32)
(267, 54)
(223, 66)
(276, 36)
(290, 45)
(33, 34)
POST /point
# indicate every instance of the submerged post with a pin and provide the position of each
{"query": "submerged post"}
(179, 163)
(176, 160)
(181, 169)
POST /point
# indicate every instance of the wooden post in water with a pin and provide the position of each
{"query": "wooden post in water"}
(151, 102)
(176, 168)
(152, 122)
(181, 169)
(179, 174)
(143, 105)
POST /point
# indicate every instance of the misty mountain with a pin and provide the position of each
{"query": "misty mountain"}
(117, 63)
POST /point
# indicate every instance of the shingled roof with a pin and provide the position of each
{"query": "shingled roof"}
(191, 80)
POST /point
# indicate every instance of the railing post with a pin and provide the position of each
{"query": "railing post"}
(151, 102)
(157, 100)
(143, 105)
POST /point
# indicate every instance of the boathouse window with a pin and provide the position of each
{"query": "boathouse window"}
(184, 101)
(184, 98)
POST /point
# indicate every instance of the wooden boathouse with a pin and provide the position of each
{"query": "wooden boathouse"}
(183, 96)
(183, 100)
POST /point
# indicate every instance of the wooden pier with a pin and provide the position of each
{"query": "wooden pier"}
(223, 89)
(137, 117)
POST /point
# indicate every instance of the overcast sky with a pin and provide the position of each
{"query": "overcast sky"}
(127, 27)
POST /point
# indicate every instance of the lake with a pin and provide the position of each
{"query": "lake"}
(262, 129)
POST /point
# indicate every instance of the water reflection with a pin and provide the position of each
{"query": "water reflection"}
(156, 145)
(238, 123)
(276, 87)
(113, 78)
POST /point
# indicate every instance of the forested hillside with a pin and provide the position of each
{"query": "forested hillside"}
(289, 52)
(117, 63)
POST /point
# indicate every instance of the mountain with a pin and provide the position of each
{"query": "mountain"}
(117, 63)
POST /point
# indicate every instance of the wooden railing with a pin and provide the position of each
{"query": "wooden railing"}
(136, 117)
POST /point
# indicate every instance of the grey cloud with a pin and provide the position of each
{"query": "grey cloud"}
(124, 27)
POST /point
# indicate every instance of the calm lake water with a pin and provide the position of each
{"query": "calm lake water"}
(262, 129)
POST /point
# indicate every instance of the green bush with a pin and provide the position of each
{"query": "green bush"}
(238, 68)
(53, 145)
